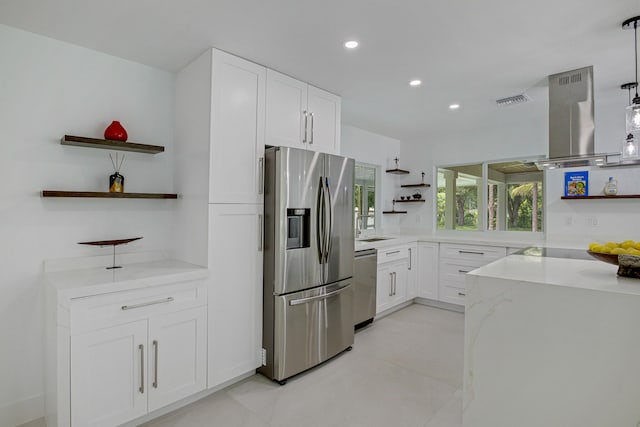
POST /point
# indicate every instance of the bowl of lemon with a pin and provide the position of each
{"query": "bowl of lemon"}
(608, 252)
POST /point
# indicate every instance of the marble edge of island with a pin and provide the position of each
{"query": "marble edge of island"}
(584, 274)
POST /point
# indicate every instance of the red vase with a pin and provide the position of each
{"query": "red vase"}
(116, 132)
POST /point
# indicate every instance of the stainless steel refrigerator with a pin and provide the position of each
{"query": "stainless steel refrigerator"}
(308, 260)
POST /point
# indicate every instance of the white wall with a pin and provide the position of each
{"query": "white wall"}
(379, 150)
(48, 89)
(521, 131)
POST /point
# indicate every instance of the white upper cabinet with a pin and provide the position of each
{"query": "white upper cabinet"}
(237, 130)
(220, 119)
(300, 115)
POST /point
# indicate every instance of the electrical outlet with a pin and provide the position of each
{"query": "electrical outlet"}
(591, 221)
(568, 221)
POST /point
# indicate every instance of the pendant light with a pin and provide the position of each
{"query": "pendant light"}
(633, 110)
(630, 148)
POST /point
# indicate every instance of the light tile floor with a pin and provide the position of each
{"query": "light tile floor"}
(405, 370)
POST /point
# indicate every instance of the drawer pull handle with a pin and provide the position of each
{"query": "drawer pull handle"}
(463, 271)
(391, 253)
(471, 252)
(461, 294)
(144, 304)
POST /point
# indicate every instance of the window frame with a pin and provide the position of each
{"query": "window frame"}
(483, 220)
(377, 199)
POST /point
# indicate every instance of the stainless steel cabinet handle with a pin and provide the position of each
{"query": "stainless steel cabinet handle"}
(311, 139)
(409, 258)
(155, 364)
(392, 252)
(390, 284)
(260, 234)
(318, 297)
(141, 388)
(461, 294)
(261, 175)
(471, 252)
(463, 271)
(304, 140)
(395, 283)
(144, 304)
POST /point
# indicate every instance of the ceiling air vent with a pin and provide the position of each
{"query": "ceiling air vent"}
(512, 100)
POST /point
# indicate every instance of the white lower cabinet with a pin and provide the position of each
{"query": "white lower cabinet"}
(109, 375)
(115, 356)
(392, 278)
(428, 270)
(235, 291)
(456, 260)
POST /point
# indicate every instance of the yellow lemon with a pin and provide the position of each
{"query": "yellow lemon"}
(618, 251)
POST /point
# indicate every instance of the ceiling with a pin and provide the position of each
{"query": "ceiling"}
(465, 51)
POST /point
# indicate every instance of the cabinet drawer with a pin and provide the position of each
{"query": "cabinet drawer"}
(452, 273)
(101, 311)
(484, 254)
(392, 254)
(452, 295)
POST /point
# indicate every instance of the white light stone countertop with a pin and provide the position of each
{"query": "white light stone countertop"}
(470, 238)
(571, 273)
(82, 282)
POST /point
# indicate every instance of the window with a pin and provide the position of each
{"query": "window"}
(514, 197)
(509, 195)
(458, 194)
(364, 197)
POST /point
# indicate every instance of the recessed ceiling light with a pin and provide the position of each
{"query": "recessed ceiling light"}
(454, 106)
(351, 44)
(415, 82)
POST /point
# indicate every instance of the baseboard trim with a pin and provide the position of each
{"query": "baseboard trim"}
(440, 304)
(186, 401)
(23, 411)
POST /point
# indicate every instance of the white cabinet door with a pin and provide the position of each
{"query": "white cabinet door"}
(287, 121)
(235, 290)
(384, 287)
(237, 130)
(428, 270)
(109, 375)
(324, 121)
(177, 356)
(412, 271)
(400, 281)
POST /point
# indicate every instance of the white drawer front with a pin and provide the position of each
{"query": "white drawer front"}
(392, 254)
(482, 254)
(452, 273)
(120, 307)
(452, 295)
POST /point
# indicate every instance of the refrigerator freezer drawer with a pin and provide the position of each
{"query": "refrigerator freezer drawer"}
(311, 327)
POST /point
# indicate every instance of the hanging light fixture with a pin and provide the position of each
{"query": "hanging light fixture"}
(633, 110)
(630, 148)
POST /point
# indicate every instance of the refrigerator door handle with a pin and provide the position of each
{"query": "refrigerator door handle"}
(318, 297)
(329, 228)
(320, 223)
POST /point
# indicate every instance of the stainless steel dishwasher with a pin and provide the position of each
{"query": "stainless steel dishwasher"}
(365, 268)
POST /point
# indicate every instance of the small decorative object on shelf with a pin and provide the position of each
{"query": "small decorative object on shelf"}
(113, 243)
(116, 181)
(396, 170)
(576, 184)
(417, 195)
(116, 132)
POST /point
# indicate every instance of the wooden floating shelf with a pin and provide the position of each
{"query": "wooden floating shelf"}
(110, 242)
(108, 144)
(620, 196)
(107, 195)
(394, 212)
(410, 201)
(415, 185)
(397, 171)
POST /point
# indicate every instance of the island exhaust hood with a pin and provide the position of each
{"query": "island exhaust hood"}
(571, 121)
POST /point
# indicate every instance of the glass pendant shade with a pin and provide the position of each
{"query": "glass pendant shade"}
(633, 118)
(630, 149)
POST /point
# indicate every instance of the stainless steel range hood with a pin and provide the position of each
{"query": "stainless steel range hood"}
(571, 120)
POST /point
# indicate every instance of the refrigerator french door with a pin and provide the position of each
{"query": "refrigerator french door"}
(308, 260)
